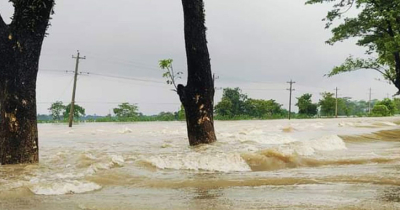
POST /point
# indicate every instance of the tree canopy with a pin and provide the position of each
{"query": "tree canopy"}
(78, 111)
(234, 103)
(376, 27)
(56, 110)
(390, 105)
(306, 107)
(126, 110)
(327, 103)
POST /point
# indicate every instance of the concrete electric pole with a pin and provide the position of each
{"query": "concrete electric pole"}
(290, 97)
(71, 111)
(336, 107)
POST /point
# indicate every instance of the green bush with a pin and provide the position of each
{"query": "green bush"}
(380, 111)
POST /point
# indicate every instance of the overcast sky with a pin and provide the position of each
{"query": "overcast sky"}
(256, 45)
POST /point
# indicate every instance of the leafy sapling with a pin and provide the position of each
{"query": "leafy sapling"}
(170, 75)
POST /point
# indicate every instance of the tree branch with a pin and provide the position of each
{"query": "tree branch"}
(378, 70)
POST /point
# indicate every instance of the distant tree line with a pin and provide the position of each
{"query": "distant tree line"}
(236, 105)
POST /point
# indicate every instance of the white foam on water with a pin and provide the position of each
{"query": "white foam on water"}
(90, 156)
(116, 161)
(69, 175)
(173, 131)
(64, 187)
(125, 131)
(271, 139)
(385, 123)
(325, 143)
(258, 136)
(198, 161)
(302, 126)
(10, 185)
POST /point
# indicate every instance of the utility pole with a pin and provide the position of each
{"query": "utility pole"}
(336, 108)
(290, 97)
(369, 102)
(71, 111)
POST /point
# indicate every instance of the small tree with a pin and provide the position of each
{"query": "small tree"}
(170, 74)
(327, 103)
(262, 108)
(126, 110)
(56, 110)
(380, 111)
(78, 112)
(306, 107)
(232, 103)
(391, 106)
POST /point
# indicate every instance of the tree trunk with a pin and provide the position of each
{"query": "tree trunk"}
(397, 69)
(20, 47)
(18, 127)
(198, 95)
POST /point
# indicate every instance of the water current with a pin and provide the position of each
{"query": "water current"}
(279, 164)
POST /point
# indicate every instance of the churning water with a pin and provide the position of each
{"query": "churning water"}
(301, 164)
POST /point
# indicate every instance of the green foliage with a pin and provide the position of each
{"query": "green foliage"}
(166, 116)
(224, 107)
(127, 111)
(353, 64)
(359, 108)
(390, 105)
(380, 111)
(232, 103)
(181, 113)
(396, 101)
(236, 105)
(78, 112)
(328, 104)
(171, 76)
(262, 108)
(306, 107)
(56, 109)
(376, 27)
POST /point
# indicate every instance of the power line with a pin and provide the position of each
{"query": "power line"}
(63, 92)
(107, 75)
(126, 78)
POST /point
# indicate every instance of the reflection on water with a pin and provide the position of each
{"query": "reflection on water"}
(301, 164)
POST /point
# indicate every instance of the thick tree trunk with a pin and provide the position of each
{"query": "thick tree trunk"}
(198, 95)
(18, 127)
(20, 47)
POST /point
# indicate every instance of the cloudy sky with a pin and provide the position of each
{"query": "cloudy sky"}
(256, 45)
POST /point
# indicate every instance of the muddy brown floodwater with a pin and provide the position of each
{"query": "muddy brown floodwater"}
(298, 164)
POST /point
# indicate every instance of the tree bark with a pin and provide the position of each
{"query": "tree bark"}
(198, 95)
(20, 47)
(397, 69)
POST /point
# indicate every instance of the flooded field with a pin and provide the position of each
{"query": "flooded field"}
(298, 164)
